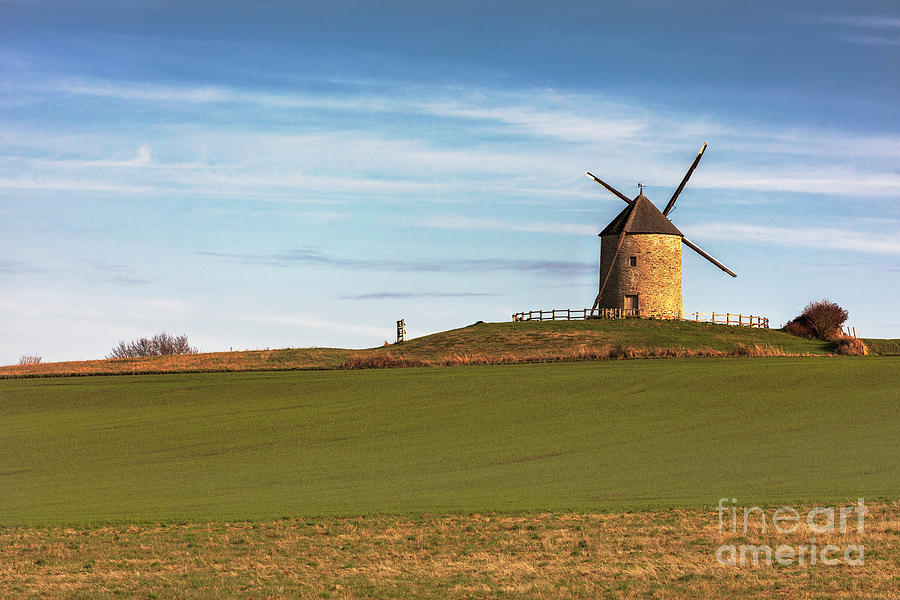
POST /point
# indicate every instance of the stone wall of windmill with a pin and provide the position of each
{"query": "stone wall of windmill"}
(655, 276)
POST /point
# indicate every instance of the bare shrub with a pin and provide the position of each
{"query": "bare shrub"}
(850, 346)
(29, 359)
(161, 344)
(799, 328)
(824, 318)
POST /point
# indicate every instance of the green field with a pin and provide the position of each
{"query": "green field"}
(584, 436)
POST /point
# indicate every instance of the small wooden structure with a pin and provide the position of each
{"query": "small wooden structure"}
(401, 331)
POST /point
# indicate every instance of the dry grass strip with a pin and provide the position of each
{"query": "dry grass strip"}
(663, 554)
(582, 352)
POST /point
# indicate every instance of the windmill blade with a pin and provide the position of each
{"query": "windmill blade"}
(697, 249)
(612, 263)
(611, 188)
(687, 176)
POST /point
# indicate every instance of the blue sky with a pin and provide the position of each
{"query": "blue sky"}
(273, 174)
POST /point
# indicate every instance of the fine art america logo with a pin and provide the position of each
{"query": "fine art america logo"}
(829, 522)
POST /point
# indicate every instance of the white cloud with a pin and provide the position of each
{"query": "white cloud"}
(51, 183)
(874, 40)
(561, 124)
(477, 223)
(531, 143)
(142, 159)
(864, 20)
(799, 237)
(839, 181)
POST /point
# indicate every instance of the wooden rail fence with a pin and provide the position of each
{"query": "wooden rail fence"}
(578, 314)
(728, 319)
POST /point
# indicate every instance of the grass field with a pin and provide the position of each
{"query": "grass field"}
(510, 342)
(557, 480)
(582, 436)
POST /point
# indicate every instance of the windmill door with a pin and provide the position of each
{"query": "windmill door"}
(631, 306)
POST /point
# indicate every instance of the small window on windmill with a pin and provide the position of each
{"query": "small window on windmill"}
(633, 261)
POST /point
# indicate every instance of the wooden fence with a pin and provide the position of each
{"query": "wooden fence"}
(568, 314)
(728, 319)
(562, 314)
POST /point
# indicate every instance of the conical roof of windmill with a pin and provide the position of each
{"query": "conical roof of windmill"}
(647, 219)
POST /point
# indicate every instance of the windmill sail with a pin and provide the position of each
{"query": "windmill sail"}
(610, 188)
(697, 249)
(684, 181)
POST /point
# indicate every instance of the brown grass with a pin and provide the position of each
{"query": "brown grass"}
(248, 360)
(663, 554)
(383, 361)
(850, 346)
(604, 352)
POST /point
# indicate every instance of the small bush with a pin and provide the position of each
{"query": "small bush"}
(850, 346)
(29, 359)
(161, 344)
(799, 328)
(824, 318)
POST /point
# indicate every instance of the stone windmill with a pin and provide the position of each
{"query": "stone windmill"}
(640, 257)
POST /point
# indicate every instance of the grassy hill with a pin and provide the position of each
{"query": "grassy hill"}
(512, 342)
(583, 436)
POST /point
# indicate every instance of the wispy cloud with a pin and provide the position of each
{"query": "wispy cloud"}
(863, 25)
(52, 183)
(798, 237)
(142, 159)
(560, 123)
(476, 265)
(414, 295)
(514, 144)
(489, 224)
(837, 180)
(864, 20)
(875, 40)
(539, 112)
(854, 267)
(7, 267)
(89, 271)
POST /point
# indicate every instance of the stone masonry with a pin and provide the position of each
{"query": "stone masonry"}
(655, 279)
